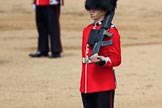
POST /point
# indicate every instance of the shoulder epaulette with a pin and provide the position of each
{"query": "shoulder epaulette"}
(112, 26)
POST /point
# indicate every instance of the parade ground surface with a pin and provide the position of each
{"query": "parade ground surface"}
(54, 83)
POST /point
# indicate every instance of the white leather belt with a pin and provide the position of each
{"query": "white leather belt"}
(86, 60)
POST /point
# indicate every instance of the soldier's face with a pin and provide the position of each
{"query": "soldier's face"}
(97, 15)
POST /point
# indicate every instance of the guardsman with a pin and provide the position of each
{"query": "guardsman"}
(98, 81)
(48, 27)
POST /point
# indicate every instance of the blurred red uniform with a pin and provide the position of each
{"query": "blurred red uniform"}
(47, 2)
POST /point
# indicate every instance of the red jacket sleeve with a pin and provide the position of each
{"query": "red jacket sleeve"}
(114, 50)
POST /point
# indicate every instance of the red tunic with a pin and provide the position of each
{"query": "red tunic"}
(97, 78)
(46, 2)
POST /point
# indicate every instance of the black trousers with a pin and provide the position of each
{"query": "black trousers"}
(48, 27)
(98, 100)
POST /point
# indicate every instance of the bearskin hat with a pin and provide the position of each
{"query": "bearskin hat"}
(106, 5)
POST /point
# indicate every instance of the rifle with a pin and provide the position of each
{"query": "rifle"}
(96, 36)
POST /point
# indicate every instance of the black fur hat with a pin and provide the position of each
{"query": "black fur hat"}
(106, 5)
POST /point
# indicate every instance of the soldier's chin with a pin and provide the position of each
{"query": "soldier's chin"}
(94, 17)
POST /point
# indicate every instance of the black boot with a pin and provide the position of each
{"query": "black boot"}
(39, 54)
(55, 55)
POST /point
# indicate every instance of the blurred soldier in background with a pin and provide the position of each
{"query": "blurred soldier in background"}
(47, 14)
